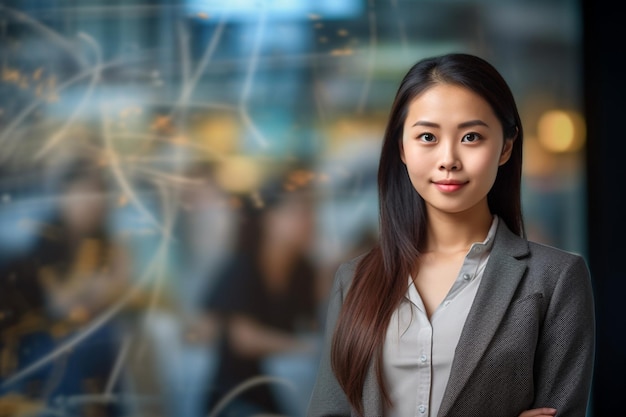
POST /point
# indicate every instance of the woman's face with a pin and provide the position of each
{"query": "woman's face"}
(452, 145)
(291, 222)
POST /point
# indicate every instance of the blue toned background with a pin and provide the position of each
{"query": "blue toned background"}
(141, 142)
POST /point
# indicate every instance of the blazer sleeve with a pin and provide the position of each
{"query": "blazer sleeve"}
(327, 398)
(566, 348)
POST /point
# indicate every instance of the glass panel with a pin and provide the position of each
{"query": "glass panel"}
(148, 149)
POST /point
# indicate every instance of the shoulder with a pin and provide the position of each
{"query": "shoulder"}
(554, 258)
(536, 254)
(346, 269)
(546, 267)
(345, 274)
(557, 271)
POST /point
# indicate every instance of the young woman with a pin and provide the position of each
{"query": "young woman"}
(455, 312)
(265, 300)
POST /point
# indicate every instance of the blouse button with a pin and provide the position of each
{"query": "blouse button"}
(467, 277)
(422, 408)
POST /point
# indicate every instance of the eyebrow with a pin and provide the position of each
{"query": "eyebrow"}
(469, 123)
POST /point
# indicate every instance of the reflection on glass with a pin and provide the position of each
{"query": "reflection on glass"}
(187, 111)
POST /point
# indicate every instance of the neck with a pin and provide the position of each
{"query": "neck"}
(449, 233)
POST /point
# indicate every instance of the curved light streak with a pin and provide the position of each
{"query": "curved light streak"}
(122, 181)
(247, 384)
(17, 121)
(48, 33)
(247, 86)
(58, 136)
(190, 83)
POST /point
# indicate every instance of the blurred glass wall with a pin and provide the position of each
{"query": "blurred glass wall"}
(151, 153)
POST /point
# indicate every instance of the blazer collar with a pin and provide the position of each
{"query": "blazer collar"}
(503, 272)
(505, 268)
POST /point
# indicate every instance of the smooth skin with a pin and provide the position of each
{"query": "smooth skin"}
(452, 146)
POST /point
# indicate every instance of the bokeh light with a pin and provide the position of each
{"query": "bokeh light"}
(561, 131)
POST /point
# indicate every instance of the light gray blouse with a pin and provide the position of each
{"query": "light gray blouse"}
(418, 352)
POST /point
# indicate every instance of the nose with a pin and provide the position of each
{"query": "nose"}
(449, 160)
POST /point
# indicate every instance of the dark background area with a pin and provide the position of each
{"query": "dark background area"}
(605, 90)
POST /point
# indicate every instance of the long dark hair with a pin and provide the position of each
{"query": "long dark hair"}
(380, 277)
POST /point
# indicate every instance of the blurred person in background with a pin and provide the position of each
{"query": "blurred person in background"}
(183, 336)
(266, 300)
(73, 273)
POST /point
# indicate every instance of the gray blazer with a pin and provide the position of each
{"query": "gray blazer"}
(528, 341)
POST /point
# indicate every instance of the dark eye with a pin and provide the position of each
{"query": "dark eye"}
(427, 137)
(471, 137)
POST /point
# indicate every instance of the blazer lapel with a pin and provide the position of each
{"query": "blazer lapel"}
(504, 270)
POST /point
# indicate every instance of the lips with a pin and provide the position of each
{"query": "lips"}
(448, 186)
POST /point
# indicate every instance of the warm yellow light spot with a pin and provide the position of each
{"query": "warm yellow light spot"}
(219, 134)
(341, 52)
(238, 174)
(11, 75)
(561, 131)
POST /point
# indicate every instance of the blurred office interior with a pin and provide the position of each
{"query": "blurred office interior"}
(195, 119)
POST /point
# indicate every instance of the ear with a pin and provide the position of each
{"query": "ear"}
(507, 150)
